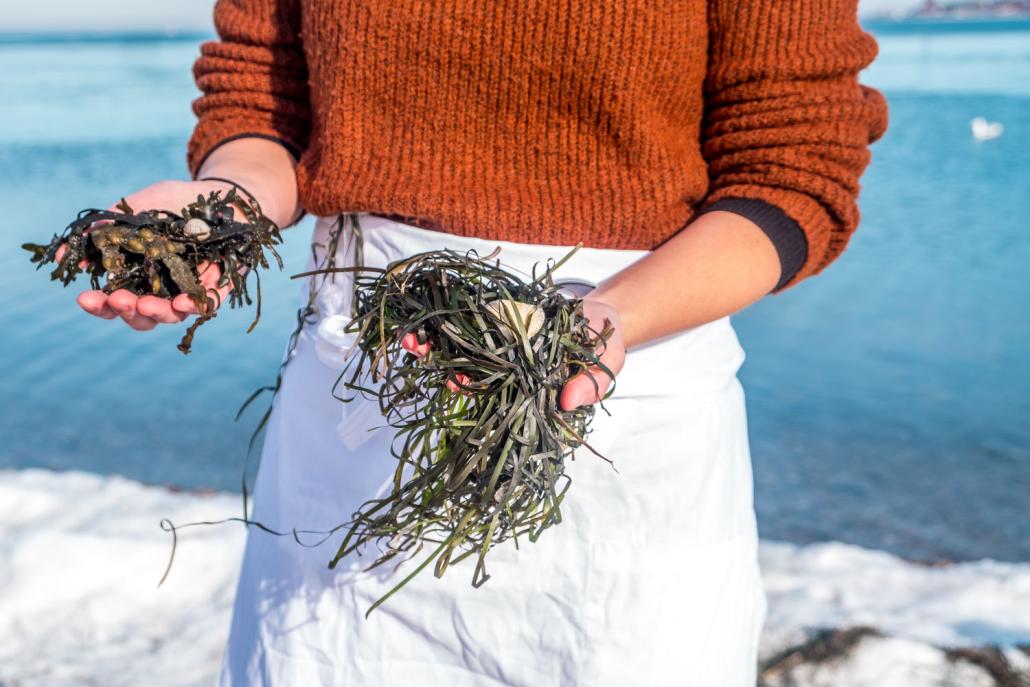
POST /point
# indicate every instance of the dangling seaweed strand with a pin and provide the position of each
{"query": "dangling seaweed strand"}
(307, 314)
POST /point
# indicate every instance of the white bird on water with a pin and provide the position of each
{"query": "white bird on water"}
(984, 130)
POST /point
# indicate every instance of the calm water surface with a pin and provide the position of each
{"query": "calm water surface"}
(889, 398)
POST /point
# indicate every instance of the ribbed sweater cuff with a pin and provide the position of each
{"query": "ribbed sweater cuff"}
(786, 235)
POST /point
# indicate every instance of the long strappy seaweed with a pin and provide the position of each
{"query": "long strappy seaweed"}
(480, 439)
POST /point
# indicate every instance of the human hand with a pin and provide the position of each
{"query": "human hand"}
(143, 313)
(410, 343)
(585, 388)
(590, 386)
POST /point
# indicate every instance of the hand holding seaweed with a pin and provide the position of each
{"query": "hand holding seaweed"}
(480, 438)
(160, 265)
(591, 385)
(588, 386)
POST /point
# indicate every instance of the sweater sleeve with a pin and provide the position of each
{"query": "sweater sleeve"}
(787, 124)
(253, 79)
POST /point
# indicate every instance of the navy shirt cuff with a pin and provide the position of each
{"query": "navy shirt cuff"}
(292, 150)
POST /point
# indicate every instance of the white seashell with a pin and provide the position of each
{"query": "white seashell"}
(511, 312)
(197, 228)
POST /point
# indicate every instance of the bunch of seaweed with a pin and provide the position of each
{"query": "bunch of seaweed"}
(160, 252)
(480, 438)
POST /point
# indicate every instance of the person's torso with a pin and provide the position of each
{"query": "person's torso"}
(551, 121)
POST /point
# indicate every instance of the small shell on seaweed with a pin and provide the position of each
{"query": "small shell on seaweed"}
(197, 228)
(512, 312)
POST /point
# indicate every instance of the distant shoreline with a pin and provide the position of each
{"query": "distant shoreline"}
(876, 25)
(881, 25)
(46, 37)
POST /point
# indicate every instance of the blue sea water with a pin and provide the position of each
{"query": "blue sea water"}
(889, 398)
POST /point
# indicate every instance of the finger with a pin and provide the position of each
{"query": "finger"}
(95, 303)
(158, 309)
(460, 380)
(184, 305)
(208, 274)
(220, 294)
(123, 301)
(585, 388)
(138, 322)
(591, 386)
(410, 343)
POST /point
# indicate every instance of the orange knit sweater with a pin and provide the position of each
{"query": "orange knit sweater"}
(611, 122)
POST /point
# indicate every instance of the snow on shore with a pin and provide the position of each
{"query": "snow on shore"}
(80, 558)
(81, 554)
(912, 613)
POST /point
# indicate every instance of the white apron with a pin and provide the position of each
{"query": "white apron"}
(651, 578)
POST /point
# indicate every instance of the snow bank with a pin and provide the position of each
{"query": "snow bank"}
(837, 585)
(80, 557)
(914, 612)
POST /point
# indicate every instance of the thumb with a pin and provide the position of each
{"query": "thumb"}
(591, 385)
(410, 343)
(585, 388)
